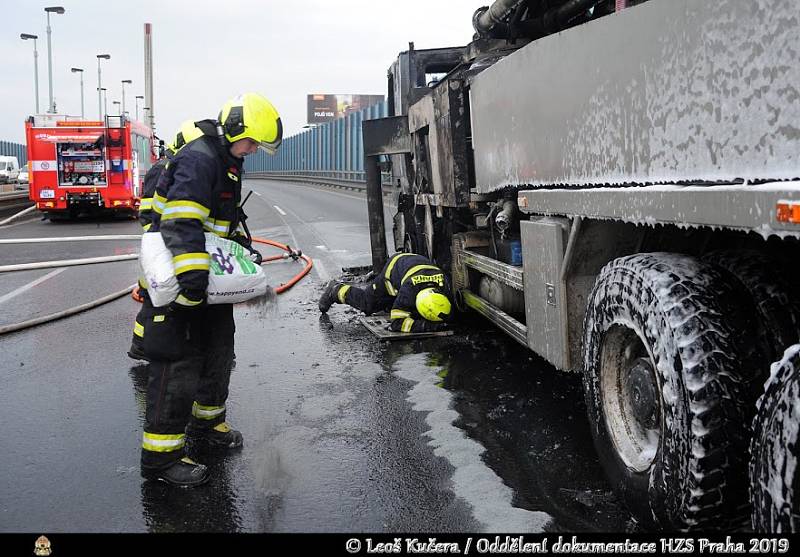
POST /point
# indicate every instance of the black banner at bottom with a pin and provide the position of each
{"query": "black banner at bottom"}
(57, 545)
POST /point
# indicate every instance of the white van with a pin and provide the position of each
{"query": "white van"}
(9, 169)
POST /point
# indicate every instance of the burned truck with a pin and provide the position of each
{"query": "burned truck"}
(615, 186)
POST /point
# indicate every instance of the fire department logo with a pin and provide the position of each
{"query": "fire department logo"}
(45, 166)
(42, 546)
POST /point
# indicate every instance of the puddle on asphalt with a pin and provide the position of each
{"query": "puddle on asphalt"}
(515, 431)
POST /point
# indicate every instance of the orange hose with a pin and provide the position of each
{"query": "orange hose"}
(287, 285)
(280, 289)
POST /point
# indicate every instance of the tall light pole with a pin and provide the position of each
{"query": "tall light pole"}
(124, 81)
(25, 37)
(80, 71)
(137, 105)
(51, 10)
(116, 103)
(100, 111)
(105, 103)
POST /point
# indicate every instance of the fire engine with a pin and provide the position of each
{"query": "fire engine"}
(79, 166)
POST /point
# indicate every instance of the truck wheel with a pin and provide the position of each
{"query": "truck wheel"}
(663, 381)
(776, 303)
(774, 449)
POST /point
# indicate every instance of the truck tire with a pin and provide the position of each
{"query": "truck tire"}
(776, 303)
(665, 384)
(774, 449)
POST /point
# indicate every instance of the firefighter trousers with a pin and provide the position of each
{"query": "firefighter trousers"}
(368, 299)
(191, 356)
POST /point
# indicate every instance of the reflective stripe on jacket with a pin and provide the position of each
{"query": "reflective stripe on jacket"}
(201, 189)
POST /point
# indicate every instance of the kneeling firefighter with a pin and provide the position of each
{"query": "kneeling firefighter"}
(190, 343)
(415, 290)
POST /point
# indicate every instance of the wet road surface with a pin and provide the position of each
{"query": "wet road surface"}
(342, 433)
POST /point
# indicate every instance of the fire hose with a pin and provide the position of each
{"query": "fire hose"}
(133, 289)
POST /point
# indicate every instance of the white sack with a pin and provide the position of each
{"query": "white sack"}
(232, 278)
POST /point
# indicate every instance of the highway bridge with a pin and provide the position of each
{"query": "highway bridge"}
(343, 433)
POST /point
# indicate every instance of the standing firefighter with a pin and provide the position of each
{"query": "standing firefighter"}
(190, 343)
(411, 285)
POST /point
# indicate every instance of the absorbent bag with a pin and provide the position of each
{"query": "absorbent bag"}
(233, 277)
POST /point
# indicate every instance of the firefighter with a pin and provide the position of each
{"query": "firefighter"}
(410, 285)
(190, 343)
(189, 131)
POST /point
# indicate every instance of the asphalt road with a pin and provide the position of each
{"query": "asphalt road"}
(342, 433)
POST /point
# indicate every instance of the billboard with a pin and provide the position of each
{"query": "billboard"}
(324, 108)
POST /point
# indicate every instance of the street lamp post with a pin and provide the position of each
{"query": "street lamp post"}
(137, 105)
(100, 111)
(105, 103)
(51, 10)
(80, 71)
(124, 81)
(25, 37)
(116, 103)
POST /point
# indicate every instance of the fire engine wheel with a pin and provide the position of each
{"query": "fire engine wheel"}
(663, 381)
(774, 479)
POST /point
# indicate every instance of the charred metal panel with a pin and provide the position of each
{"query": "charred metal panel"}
(750, 208)
(386, 136)
(668, 91)
(545, 293)
(445, 141)
(409, 70)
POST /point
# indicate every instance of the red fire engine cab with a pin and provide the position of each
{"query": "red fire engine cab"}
(78, 166)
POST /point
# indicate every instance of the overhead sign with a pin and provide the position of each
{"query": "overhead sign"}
(324, 108)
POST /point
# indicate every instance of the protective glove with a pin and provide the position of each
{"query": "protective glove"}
(256, 256)
(241, 239)
(432, 327)
(188, 300)
(246, 243)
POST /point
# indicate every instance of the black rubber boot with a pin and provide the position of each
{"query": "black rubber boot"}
(183, 473)
(329, 296)
(136, 351)
(220, 437)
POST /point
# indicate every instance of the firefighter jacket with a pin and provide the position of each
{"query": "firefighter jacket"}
(404, 276)
(199, 191)
(150, 182)
(202, 127)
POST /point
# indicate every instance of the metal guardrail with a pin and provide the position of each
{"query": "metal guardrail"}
(11, 200)
(321, 179)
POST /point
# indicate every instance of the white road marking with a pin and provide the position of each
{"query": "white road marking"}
(33, 284)
(492, 501)
(255, 192)
(323, 273)
(318, 266)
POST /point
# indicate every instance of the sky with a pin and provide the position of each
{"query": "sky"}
(206, 52)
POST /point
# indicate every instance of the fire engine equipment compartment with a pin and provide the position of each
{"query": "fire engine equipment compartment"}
(81, 164)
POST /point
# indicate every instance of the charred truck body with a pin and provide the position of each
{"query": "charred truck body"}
(617, 190)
